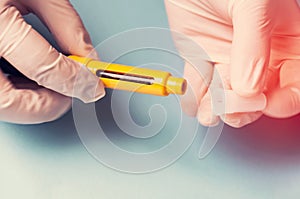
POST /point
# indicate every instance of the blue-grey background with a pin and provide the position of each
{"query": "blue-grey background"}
(49, 160)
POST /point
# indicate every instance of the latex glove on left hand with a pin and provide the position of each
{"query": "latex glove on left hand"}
(254, 46)
(34, 57)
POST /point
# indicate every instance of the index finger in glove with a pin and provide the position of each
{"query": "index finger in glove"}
(253, 22)
(197, 70)
(33, 56)
(65, 25)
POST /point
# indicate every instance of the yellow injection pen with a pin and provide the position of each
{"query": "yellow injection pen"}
(142, 80)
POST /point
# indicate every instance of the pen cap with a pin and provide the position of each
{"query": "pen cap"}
(176, 85)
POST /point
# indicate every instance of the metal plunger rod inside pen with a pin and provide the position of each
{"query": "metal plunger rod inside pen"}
(125, 77)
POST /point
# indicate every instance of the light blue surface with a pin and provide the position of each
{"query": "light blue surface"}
(49, 161)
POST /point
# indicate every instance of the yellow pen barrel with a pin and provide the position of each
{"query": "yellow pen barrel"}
(142, 80)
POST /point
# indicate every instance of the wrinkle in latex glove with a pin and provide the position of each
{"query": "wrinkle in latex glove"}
(34, 57)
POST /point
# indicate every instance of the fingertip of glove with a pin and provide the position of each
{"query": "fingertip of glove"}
(94, 55)
(87, 87)
(98, 94)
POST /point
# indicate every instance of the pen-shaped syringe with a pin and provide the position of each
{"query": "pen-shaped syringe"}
(142, 80)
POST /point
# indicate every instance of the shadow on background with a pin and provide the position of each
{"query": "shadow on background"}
(53, 135)
(269, 141)
(56, 135)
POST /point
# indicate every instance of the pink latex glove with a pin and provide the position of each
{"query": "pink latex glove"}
(253, 44)
(23, 101)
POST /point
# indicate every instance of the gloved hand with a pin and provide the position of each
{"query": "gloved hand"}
(253, 44)
(22, 101)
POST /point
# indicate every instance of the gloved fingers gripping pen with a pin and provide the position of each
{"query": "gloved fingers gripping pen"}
(34, 57)
(142, 80)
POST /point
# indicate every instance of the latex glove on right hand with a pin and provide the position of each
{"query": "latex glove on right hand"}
(253, 44)
(23, 101)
